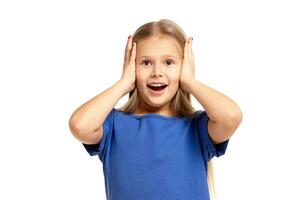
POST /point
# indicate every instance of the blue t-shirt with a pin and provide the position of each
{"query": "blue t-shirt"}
(155, 157)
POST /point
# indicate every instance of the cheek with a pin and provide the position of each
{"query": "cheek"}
(174, 81)
(175, 71)
(174, 76)
(141, 79)
(141, 75)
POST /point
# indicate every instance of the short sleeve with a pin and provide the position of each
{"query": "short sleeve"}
(209, 149)
(99, 149)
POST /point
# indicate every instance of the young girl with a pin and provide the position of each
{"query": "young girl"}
(157, 146)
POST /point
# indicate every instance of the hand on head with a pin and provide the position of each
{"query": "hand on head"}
(129, 66)
(187, 72)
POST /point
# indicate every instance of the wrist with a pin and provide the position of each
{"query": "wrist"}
(186, 85)
(125, 82)
(125, 85)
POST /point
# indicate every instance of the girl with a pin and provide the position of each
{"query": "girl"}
(157, 146)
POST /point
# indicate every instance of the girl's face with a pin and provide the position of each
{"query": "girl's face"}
(158, 60)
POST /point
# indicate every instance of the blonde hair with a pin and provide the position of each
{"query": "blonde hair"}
(181, 102)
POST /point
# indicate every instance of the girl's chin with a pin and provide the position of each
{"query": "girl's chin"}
(156, 103)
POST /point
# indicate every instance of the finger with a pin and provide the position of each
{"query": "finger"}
(190, 48)
(185, 50)
(133, 53)
(128, 49)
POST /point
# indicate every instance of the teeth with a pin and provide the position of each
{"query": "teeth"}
(156, 84)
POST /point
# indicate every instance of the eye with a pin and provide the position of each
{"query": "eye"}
(145, 61)
(170, 61)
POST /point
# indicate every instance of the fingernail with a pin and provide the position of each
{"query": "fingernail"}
(129, 36)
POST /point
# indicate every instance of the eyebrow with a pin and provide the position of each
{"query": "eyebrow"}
(162, 56)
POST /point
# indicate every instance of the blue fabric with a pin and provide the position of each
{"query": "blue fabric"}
(155, 157)
(209, 149)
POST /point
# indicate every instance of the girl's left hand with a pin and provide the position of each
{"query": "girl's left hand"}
(187, 72)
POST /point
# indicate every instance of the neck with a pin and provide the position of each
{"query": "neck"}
(144, 108)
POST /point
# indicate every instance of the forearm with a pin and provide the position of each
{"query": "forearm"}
(219, 107)
(91, 115)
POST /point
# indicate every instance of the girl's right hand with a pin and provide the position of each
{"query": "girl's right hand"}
(129, 65)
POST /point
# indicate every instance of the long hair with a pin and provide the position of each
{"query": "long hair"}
(181, 102)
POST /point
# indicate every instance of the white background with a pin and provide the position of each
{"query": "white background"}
(56, 55)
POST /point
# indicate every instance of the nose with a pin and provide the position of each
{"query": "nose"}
(156, 71)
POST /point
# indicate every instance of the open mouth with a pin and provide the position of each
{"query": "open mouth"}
(157, 88)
